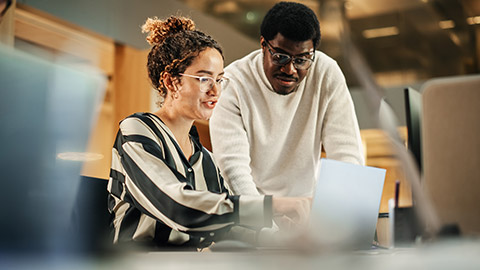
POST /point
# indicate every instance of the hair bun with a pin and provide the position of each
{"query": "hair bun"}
(160, 29)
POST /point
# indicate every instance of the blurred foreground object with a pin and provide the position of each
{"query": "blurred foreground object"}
(45, 110)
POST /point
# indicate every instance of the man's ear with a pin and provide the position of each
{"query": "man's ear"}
(262, 43)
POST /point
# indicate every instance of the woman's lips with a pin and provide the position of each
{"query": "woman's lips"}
(210, 103)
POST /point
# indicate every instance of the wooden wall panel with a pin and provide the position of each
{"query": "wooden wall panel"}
(44, 30)
(101, 142)
(380, 154)
(132, 86)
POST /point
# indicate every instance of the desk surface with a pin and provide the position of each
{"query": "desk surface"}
(464, 254)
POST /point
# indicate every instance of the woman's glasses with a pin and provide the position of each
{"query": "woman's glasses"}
(281, 59)
(206, 83)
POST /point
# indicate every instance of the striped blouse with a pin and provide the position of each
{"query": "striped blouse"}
(159, 198)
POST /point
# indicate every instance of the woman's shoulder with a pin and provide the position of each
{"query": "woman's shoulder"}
(139, 121)
(145, 117)
(138, 115)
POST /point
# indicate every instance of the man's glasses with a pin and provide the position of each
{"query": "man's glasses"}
(206, 83)
(299, 62)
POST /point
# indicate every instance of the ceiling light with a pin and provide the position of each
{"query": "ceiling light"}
(455, 38)
(227, 7)
(473, 20)
(251, 17)
(448, 24)
(380, 32)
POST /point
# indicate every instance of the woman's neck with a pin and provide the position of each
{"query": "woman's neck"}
(180, 128)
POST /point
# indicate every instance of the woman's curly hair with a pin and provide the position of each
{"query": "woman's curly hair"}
(175, 43)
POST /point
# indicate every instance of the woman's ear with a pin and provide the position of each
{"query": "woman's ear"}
(169, 82)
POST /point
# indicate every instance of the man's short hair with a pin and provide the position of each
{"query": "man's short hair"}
(294, 21)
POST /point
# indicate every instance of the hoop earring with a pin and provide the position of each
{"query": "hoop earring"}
(175, 94)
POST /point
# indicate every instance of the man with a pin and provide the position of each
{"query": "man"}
(285, 101)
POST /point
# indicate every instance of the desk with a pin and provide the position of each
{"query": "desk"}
(445, 255)
(458, 254)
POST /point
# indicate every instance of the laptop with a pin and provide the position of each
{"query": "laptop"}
(346, 204)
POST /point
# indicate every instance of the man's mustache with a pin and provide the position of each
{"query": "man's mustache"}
(286, 76)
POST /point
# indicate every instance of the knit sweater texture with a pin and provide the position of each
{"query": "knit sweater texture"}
(267, 143)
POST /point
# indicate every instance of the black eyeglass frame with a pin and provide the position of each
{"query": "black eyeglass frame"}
(289, 58)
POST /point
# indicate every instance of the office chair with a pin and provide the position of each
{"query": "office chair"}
(90, 222)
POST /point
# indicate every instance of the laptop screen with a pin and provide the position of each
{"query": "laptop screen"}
(346, 204)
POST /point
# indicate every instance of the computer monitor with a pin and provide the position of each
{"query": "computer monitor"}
(45, 110)
(451, 149)
(413, 110)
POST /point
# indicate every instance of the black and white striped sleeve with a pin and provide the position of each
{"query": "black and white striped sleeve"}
(155, 183)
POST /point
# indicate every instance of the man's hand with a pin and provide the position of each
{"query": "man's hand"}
(291, 212)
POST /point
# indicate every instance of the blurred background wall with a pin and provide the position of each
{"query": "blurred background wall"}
(404, 42)
(121, 20)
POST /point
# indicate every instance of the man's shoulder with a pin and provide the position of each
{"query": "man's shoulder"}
(243, 64)
(322, 59)
(325, 67)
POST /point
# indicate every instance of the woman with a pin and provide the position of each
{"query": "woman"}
(165, 189)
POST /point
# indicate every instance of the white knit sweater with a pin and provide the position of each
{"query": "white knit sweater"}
(271, 144)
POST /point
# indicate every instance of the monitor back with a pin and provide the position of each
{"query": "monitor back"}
(45, 110)
(413, 110)
(451, 149)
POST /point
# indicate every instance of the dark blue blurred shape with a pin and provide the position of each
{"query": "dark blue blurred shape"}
(45, 109)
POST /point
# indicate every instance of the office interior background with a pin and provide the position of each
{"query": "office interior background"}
(400, 43)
